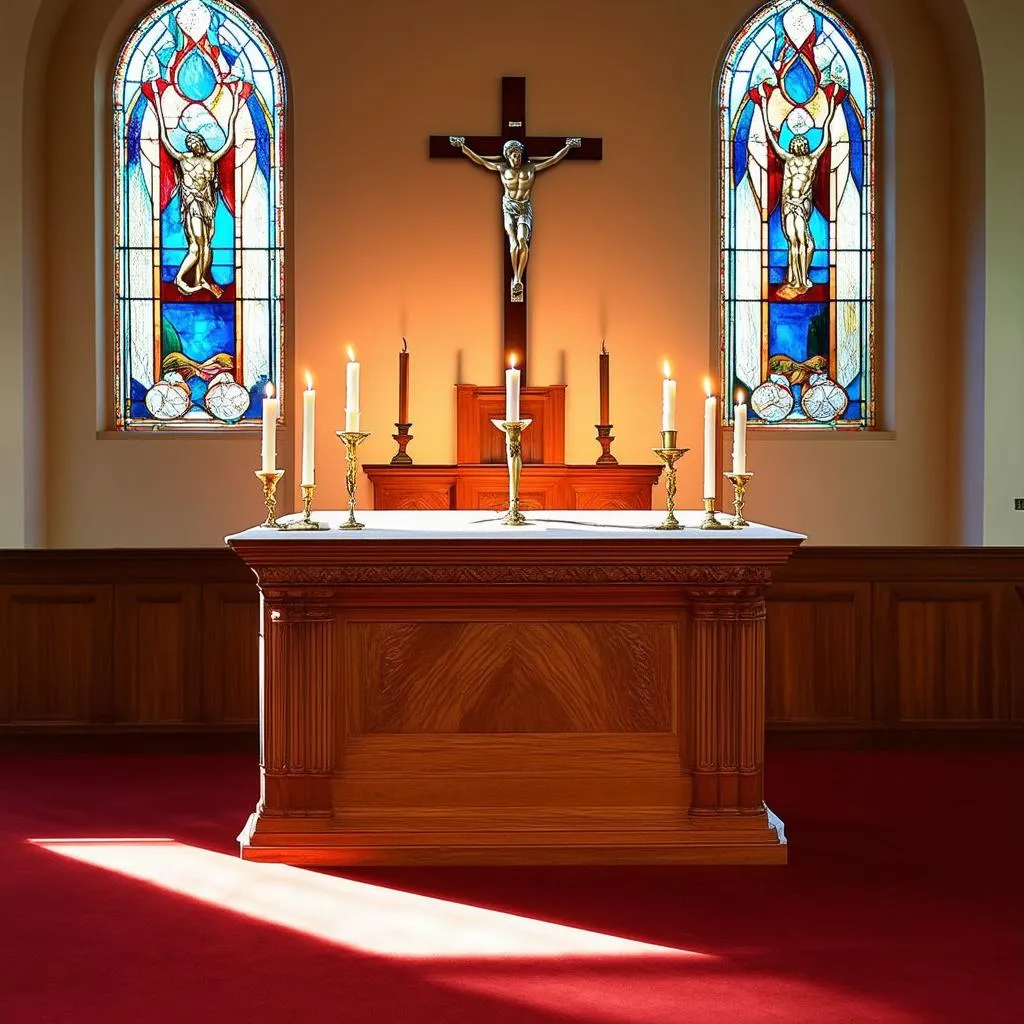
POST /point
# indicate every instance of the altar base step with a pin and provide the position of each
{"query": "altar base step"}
(473, 839)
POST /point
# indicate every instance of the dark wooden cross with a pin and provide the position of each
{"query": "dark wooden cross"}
(513, 126)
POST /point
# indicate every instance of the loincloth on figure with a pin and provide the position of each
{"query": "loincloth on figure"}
(517, 212)
(195, 204)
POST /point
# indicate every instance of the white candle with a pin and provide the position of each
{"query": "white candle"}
(270, 408)
(668, 400)
(308, 432)
(710, 462)
(352, 393)
(512, 392)
(739, 435)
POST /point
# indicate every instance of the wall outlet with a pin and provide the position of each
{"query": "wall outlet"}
(1018, 504)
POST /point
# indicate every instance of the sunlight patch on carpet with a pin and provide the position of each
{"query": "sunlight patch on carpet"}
(359, 915)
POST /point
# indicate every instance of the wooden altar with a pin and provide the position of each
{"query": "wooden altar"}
(436, 689)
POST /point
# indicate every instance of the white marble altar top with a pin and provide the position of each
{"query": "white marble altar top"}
(483, 525)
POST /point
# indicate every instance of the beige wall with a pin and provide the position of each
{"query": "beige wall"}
(999, 25)
(385, 242)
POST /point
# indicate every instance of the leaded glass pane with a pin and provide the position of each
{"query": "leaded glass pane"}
(797, 106)
(198, 218)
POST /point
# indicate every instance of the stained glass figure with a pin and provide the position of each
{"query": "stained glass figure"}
(797, 105)
(199, 107)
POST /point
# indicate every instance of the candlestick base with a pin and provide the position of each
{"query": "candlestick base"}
(604, 439)
(670, 455)
(269, 479)
(709, 522)
(352, 439)
(306, 522)
(403, 437)
(739, 483)
(513, 431)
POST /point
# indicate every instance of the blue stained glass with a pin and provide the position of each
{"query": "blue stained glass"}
(259, 125)
(856, 144)
(799, 82)
(805, 333)
(133, 139)
(196, 79)
(739, 148)
(206, 329)
(791, 326)
(185, 315)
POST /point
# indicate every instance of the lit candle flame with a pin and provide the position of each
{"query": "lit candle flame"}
(351, 354)
(309, 381)
(741, 396)
(512, 361)
(268, 390)
(667, 370)
(707, 386)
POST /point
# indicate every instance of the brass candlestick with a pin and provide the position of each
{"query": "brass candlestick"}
(604, 439)
(352, 439)
(403, 437)
(269, 479)
(670, 455)
(306, 522)
(739, 483)
(513, 431)
(709, 522)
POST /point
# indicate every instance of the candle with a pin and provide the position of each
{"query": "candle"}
(603, 419)
(739, 434)
(308, 432)
(270, 408)
(668, 400)
(512, 392)
(710, 422)
(403, 383)
(352, 393)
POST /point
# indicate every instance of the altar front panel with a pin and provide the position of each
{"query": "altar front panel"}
(511, 702)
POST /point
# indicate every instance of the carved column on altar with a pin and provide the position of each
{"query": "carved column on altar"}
(299, 742)
(726, 709)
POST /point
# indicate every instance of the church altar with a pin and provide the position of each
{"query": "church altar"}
(438, 688)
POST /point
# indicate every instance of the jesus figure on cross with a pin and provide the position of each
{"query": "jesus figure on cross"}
(517, 175)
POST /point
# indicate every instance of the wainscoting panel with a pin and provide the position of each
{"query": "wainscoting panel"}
(817, 642)
(862, 644)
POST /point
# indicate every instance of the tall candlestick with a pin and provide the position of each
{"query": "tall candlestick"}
(602, 360)
(352, 392)
(710, 461)
(739, 434)
(668, 400)
(512, 392)
(308, 433)
(403, 383)
(271, 405)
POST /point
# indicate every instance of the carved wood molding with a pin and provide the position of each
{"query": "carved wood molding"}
(744, 580)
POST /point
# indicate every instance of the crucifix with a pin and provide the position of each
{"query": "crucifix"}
(517, 172)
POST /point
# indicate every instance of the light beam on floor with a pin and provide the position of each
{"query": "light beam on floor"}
(359, 915)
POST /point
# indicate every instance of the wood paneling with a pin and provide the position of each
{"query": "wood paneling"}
(486, 487)
(862, 643)
(817, 641)
(230, 663)
(56, 661)
(501, 676)
(159, 645)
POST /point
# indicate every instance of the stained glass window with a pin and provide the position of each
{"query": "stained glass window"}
(198, 219)
(797, 104)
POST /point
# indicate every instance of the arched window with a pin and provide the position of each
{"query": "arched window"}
(797, 104)
(199, 111)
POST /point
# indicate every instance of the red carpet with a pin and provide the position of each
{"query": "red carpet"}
(903, 902)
